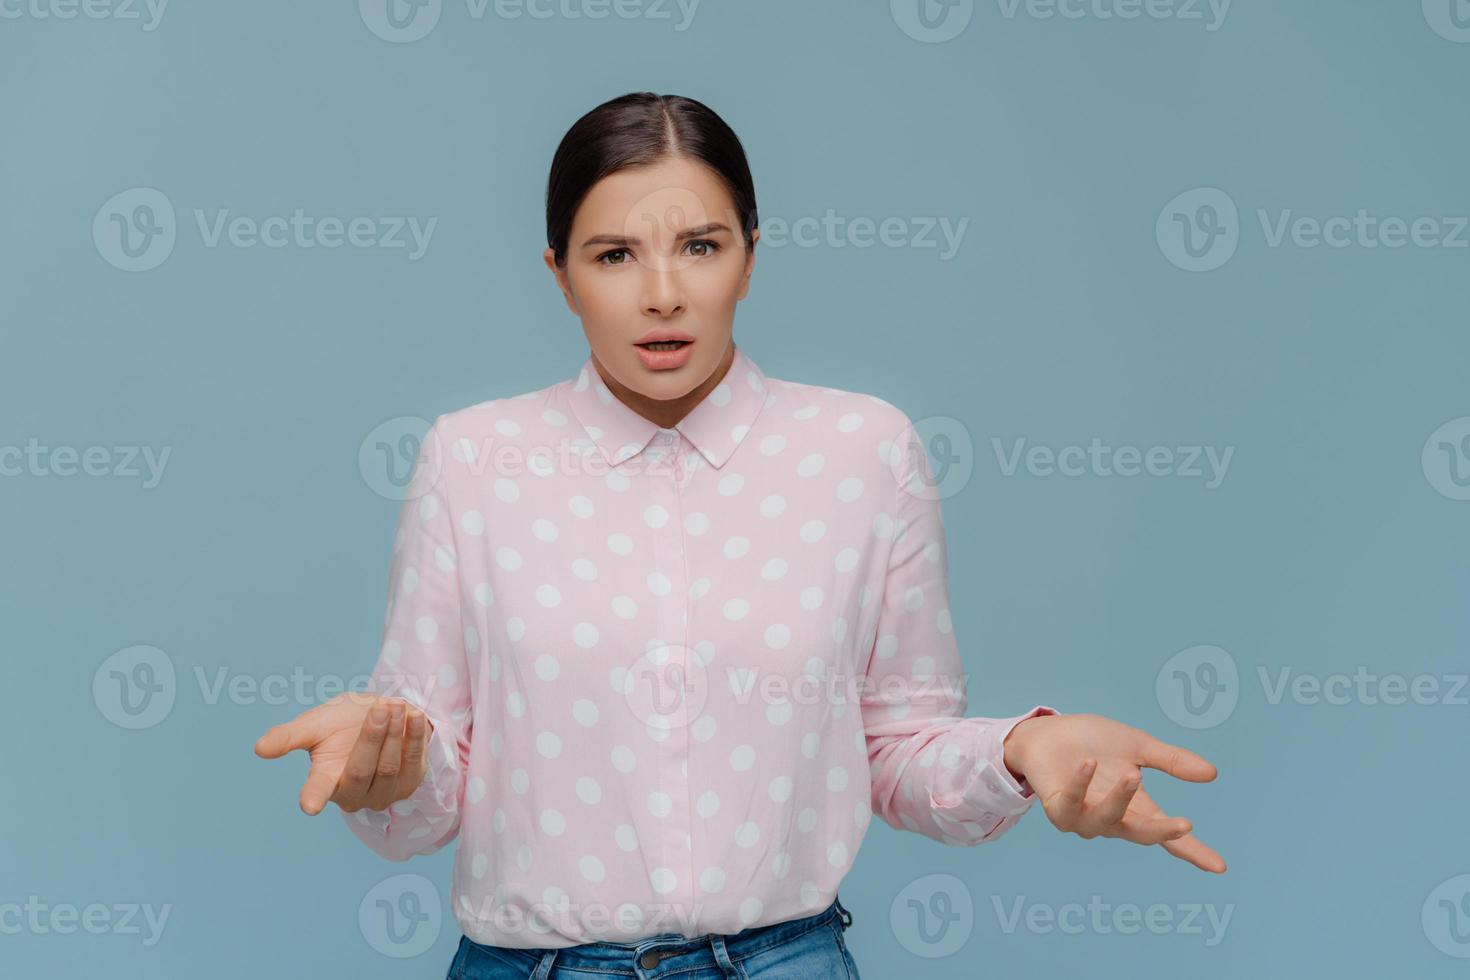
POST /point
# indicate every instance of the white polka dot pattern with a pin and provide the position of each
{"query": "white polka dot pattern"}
(673, 672)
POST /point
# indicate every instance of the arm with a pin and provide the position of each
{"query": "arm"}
(934, 771)
(424, 661)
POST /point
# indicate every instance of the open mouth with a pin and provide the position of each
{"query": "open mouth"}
(666, 345)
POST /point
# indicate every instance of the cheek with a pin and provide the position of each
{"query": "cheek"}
(713, 287)
(605, 294)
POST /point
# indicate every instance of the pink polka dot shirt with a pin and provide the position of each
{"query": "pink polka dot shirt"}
(673, 672)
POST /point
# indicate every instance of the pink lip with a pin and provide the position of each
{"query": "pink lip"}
(662, 333)
(665, 360)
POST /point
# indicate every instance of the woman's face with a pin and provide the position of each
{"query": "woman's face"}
(657, 249)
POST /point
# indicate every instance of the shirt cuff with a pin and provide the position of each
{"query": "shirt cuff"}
(435, 800)
(972, 787)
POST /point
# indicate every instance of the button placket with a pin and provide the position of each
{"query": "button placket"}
(672, 622)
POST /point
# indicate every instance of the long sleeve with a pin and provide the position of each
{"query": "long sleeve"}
(423, 660)
(934, 771)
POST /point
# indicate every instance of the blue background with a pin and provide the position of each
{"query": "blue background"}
(1328, 547)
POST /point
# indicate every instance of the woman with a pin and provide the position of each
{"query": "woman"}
(630, 615)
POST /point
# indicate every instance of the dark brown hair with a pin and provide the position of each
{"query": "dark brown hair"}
(638, 130)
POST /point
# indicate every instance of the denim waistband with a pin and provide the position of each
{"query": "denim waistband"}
(674, 953)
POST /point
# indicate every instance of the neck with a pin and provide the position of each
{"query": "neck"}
(666, 413)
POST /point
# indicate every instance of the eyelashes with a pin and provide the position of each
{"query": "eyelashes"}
(713, 247)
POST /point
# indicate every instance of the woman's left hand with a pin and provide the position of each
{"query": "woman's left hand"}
(1085, 770)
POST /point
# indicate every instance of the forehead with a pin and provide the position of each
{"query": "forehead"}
(675, 193)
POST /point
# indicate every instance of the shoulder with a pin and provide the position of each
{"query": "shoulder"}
(862, 418)
(470, 442)
(502, 419)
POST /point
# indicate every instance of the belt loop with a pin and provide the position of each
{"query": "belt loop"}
(543, 969)
(722, 956)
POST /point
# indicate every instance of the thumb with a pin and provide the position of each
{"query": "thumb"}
(320, 785)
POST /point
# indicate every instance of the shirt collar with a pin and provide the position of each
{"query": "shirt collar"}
(716, 426)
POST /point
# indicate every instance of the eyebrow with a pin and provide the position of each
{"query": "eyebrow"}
(623, 241)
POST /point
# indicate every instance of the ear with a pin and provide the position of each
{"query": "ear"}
(563, 282)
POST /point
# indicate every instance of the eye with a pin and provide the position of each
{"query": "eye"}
(710, 248)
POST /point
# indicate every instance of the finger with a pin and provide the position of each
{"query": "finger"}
(390, 760)
(1193, 850)
(1144, 810)
(298, 733)
(1065, 807)
(362, 761)
(384, 788)
(320, 783)
(1107, 813)
(415, 745)
(1152, 830)
(1176, 760)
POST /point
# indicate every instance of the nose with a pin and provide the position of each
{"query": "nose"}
(662, 293)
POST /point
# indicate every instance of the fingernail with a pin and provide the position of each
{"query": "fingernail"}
(397, 711)
(379, 714)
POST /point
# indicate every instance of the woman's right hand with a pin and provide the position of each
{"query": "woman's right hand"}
(367, 752)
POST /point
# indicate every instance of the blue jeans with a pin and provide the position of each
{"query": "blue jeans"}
(809, 948)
